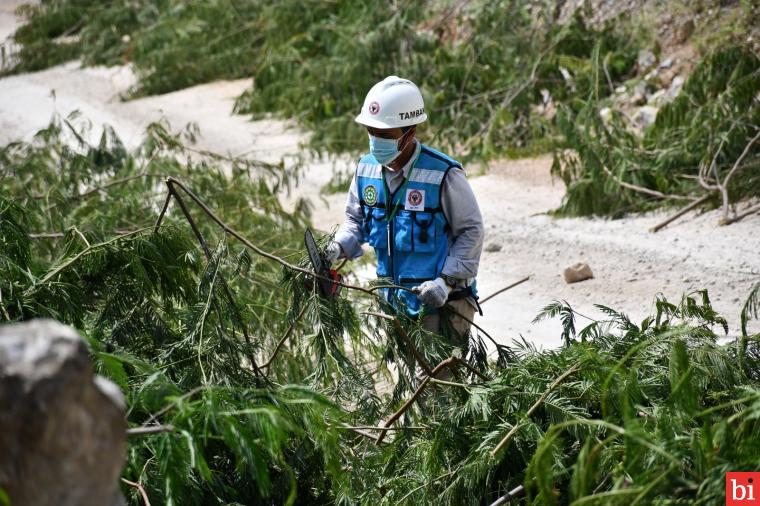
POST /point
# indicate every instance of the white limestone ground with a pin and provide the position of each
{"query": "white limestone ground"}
(630, 264)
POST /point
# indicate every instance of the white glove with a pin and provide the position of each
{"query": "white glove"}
(434, 293)
(333, 252)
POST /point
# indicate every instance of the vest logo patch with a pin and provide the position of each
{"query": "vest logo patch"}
(415, 200)
(374, 108)
(370, 195)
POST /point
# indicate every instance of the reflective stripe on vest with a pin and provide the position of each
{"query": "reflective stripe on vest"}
(419, 231)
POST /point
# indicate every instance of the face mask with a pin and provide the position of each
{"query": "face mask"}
(384, 150)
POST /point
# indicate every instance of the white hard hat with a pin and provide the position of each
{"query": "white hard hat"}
(393, 103)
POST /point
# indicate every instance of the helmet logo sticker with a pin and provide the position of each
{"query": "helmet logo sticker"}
(415, 200)
(374, 108)
(370, 195)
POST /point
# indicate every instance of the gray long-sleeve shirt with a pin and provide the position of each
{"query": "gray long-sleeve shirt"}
(459, 206)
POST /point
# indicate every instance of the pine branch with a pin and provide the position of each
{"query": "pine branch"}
(228, 292)
(30, 290)
(407, 340)
(450, 362)
(284, 338)
(172, 181)
(533, 408)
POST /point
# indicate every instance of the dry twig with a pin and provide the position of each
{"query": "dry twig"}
(725, 220)
(497, 292)
(722, 186)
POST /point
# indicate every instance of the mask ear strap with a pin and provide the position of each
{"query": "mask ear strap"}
(406, 131)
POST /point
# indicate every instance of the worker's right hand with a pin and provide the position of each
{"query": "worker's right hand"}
(333, 252)
(434, 293)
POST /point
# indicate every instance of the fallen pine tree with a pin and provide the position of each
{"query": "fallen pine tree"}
(245, 387)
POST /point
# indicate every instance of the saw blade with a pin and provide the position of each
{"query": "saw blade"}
(318, 264)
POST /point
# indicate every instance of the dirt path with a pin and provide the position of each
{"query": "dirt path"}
(630, 264)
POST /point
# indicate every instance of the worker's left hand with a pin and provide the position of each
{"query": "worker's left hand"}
(434, 293)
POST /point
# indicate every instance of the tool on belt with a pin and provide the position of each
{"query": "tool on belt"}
(328, 282)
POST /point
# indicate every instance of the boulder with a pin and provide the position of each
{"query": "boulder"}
(645, 116)
(578, 272)
(62, 429)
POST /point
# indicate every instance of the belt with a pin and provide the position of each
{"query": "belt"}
(463, 293)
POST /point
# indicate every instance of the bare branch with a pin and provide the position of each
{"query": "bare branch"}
(497, 292)
(641, 189)
(140, 488)
(680, 213)
(395, 416)
(231, 231)
(449, 362)
(149, 429)
(225, 286)
(516, 492)
(742, 215)
(734, 170)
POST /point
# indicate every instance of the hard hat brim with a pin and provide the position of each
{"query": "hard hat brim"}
(363, 119)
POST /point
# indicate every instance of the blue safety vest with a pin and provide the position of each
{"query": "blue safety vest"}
(412, 247)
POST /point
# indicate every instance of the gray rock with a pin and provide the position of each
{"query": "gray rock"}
(493, 247)
(657, 98)
(578, 272)
(685, 30)
(667, 63)
(62, 429)
(639, 93)
(653, 76)
(646, 59)
(675, 87)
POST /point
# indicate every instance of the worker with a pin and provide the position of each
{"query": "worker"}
(414, 205)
